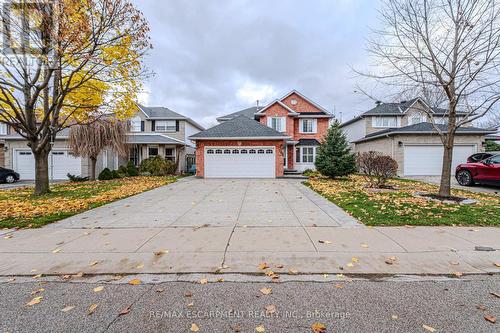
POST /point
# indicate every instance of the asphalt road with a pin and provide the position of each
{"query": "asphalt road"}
(446, 305)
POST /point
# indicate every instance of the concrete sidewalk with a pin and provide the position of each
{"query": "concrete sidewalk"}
(421, 250)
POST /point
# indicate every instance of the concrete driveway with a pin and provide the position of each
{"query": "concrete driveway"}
(206, 226)
(24, 183)
(455, 184)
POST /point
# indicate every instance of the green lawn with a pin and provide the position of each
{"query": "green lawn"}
(20, 209)
(400, 207)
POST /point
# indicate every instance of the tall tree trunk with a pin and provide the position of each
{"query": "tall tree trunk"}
(445, 186)
(42, 172)
(93, 161)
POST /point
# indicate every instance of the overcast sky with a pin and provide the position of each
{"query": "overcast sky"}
(213, 57)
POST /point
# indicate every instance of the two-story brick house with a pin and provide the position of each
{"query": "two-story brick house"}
(263, 142)
(404, 131)
(153, 131)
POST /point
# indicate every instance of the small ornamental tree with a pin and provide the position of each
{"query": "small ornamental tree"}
(335, 158)
(376, 167)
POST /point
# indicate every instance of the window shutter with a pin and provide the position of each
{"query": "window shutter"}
(177, 126)
(283, 124)
(142, 126)
(153, 124)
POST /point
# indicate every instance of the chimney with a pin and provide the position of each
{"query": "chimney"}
(257, 103)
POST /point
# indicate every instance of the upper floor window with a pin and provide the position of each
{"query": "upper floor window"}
(416, 119)
(384, 121)
(135, 124)
(3, 129)
(165, 126)
(277, 123)
(307, 126)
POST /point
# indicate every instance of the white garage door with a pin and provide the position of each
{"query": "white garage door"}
(427, 160)
(61, 162)
(240, 162)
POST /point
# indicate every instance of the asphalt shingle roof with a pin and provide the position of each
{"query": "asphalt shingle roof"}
(248, 112)
(151, 138)
(308, 142)
(160, 112)
(239, 127)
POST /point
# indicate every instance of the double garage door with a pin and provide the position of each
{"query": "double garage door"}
(427, 160)
(61, 162)
(240, 162)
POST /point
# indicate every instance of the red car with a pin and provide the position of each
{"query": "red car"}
(486, 171)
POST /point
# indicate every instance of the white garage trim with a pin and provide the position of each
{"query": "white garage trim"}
(61, 163)
(427, 159)
(240, 162)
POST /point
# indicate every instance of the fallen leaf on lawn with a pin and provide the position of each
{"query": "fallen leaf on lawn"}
(160, 253)
(364, 245)
(98, 289)
(34, 301)
(318, 328)
(263, 265)
(68, 308)
(125, 311)
(93, 263)
(496, 295)
(325, 242)
(270, 309)
(293, 271)
(92, 308)
(160, 290)
(56, 250)
(260, 329)
(457, 274)
(203, 281)
(194, 328)
(37, 276)
(429, 328)
(134, 282)
(491, 319)
(188, 294)
(394, 317)
(266, 291)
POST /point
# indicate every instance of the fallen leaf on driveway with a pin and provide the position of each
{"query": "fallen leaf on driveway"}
(37, 276)
(497, 264)
(390, 260)
(270, 309)
(409, 226)
(260, 329)
(34, 301)
(280, 266)
(266, 291)
(68, 308)
(203, 281)
(79, 274)
(188, 294)
(318, 328)
(160, 290)
(134, 282)
(220, 280)
(455, 263)
(339, 286)
(194, 328)
(139, 266)
(364, 245)
(429, 328)
(496, 295)
(56, 250)
(270, 273)
(263, 266)
(491, 319)
(37, 291)
(92, 308)
(8, 236)
(481, 307)
(160, 253)
(190, 304)
(394, 317)
(350, 264)
(124, 311)
(457, 274)
(293, 271)
(354, 259)
(93, 263)
(325, 242)
(98, 289)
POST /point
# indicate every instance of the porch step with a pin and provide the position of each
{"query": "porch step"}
(292, 172)
(293, 176)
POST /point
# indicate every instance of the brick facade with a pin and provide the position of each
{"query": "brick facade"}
(201, 144)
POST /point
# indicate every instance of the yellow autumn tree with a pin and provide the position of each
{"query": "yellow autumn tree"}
(78, 60)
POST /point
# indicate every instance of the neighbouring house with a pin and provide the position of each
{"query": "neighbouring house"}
(404, 132)
(153, 131)
(263, 142)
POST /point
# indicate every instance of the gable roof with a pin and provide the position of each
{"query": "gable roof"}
(248, 112)
(160, 112)
(422, 128)
(240, 127)
(307, 99)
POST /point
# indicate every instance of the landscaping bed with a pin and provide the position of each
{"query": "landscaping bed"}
(401, 207)
(20, 209)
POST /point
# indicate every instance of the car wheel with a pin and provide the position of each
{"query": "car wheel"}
(10, 179)
(464, 178)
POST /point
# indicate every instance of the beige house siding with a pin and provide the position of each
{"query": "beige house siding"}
(391, 145)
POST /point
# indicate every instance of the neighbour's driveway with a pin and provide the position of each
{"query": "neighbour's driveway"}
(455, 184)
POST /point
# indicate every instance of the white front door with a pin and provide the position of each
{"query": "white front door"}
(427, 160)
(61, 162)
(240, 162)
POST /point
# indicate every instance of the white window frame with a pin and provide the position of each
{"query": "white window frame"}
(135, 124)
(172, 157)
(378, 121)
(313, 127)
(165, 126)
(3, 129)
(157, 148)
(280, 122)
(307, 155)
